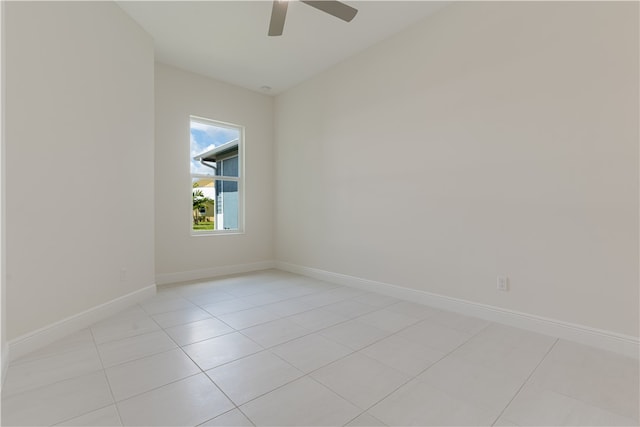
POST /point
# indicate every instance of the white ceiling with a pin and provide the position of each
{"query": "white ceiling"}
(227, 40)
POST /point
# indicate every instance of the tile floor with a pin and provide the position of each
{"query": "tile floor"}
(273, 348)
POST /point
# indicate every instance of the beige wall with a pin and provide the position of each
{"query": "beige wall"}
(79, 134)
(180, 94)
(493, 138)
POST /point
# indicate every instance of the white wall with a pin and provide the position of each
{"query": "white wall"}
(180, 256)
(492, 138)
(3, 216)
(79, 148)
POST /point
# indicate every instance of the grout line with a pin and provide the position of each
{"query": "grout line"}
(419, 373)
(526, 381)
(308, 374)
(242, 329)
(224, 413)
(171, 382)
(267, 392)
(150, 316)
(72, 377)
(201, 372)
(31, 389)
(375, 309)
(246, 416)
(316, 292)
(136, 358)
(104, 372)
(290, 299)
(88, 412)
(156, 388)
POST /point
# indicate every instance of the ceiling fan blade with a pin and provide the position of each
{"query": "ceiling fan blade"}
(278, 13)
(335, 8)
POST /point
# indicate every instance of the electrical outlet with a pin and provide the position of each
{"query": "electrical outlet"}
(123, 275)
(503, 283)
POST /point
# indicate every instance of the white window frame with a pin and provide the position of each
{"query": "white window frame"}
(239, 179)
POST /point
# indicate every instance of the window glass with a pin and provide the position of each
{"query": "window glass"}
(216, 153)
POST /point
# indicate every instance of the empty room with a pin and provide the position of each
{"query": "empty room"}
(402, 213)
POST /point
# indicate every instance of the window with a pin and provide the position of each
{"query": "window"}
(216, 176)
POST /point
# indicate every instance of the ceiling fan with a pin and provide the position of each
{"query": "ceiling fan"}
(332, 7)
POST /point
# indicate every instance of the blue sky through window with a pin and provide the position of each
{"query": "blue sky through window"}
(204, 137)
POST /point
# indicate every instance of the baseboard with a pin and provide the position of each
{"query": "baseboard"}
(5, 364)
(185, 276)
(39, 338)
(607, 340)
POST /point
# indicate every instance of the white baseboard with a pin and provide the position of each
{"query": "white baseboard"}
(41, 337)
(607, 340)
(185, 276)
(5, 364)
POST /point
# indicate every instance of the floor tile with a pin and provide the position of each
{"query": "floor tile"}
(317, 319)
(598, 377)
(209, 298)
(350, 308)
(336, 355)
(133, 312)
(366, 420)
(360, 379)
(459, 322)
(225, 307)
(434, 335)
(247, 318)
(295, 291)
(278, 284)
(198, 331)
(138, 376)
(472, 382)
(303, 402)
(276, 332)
(117, 328)
(311, 352)
(233, 418)
(320, 299)
(243, 289)
(240, 281)
(514, 351)
(180, 317)
(316, 284)
(263, 298)
(57, 402)
(190, 401)
(354, 334)
(255, 375)
(287, 308)
(536, 407)
(162, 305)
(77, 341)
(120, 351)
(387, 320)
(171, 291)
(412, 309)
(376, 300)
(38, 372)
(107, 416)
(419, 404)
(223, 349)
(272, 288)
(402, 354)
